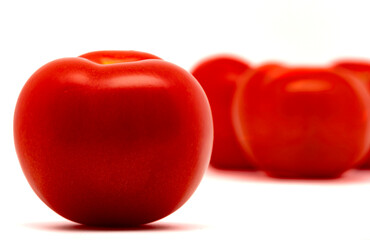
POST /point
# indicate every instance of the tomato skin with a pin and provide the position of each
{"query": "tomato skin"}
(302, 122)
(361, 70)
(120, 144)
(218, 76)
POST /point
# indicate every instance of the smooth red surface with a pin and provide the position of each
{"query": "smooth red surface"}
(361, 70)
(218, 76)
(113, 145)
(302, 122)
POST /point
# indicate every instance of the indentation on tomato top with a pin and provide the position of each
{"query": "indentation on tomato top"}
(107, 60)
(308, 85)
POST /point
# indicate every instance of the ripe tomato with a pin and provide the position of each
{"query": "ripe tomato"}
(302, 122)
(116, 144)
(218, 76)
(361, 70)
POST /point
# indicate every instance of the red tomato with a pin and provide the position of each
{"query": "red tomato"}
(118, 144)
(361, 70)
(218, 76)
(302, 122)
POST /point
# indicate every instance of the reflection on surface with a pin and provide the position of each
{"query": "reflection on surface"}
(67, 226)
(353, 176)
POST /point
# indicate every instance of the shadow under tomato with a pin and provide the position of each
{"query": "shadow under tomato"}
(75, 227)
(353, 176)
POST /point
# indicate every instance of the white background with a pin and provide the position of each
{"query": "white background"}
(234, 205)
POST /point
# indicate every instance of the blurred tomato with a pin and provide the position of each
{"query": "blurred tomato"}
(361, 70)
(302, 122)
(218, 76)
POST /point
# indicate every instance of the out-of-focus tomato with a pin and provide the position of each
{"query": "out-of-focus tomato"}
(219, 76)
(114, 138)
(302, 122)
(361, 70)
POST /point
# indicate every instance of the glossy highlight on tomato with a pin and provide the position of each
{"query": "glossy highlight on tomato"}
(219, 76)
(113, 138)
(302, 122)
